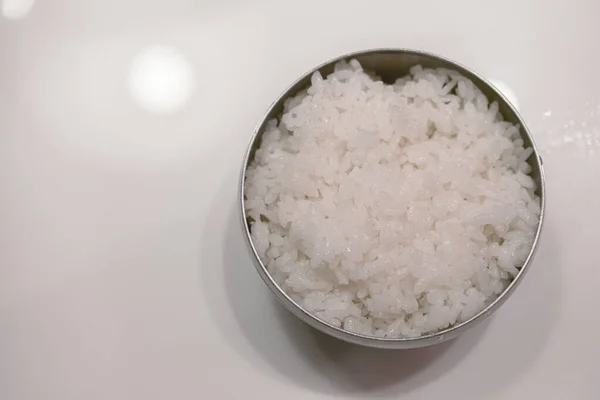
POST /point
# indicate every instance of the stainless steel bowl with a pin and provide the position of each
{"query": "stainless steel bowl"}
(391, 64)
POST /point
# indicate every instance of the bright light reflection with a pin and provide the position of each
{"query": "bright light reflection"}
(16, 9)
(161, 79)
(507, 92)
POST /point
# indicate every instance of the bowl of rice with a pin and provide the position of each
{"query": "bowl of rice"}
(392, 198)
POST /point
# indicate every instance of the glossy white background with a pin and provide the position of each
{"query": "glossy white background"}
(123, 273)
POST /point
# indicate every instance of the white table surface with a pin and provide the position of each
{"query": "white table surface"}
(123, 273)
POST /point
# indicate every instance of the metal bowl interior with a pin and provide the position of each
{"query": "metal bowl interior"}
(391, 64)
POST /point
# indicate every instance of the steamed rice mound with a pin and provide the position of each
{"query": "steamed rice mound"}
(392, 210)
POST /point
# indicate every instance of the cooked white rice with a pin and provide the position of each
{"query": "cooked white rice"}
(392, 210)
